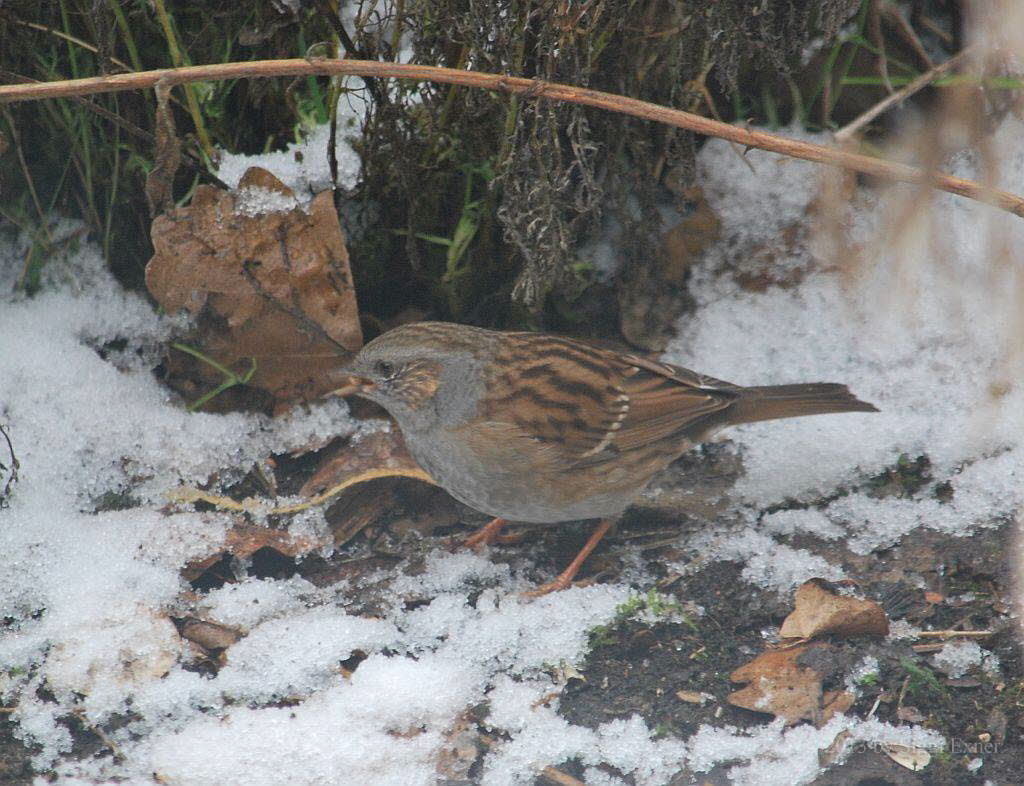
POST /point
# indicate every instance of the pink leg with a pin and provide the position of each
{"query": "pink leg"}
(489, 534)
(566, 576)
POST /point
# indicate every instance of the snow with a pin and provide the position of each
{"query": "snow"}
(957, 658)
(776, 756)
(302, 166)
(926, 326)
(90, 592)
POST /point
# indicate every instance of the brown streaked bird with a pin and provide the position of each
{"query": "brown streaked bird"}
(538, 428)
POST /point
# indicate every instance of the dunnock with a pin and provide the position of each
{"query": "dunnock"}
(539, 428)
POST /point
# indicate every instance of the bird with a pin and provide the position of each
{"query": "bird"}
(541, 428)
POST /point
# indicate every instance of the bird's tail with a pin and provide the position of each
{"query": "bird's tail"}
(770, 402)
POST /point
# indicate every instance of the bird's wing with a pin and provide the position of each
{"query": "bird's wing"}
(666, 403)
(610, 404)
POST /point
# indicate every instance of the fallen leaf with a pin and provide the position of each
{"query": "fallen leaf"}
(383, 450)
(830, 755)
(378, 454)
(267, 280)
(244, 540)
(820, 611)
(210, 635)
(460, 749)
(368, 456)
(103, 655)
(694, 697)
(836, 702)
(778, 684)
(915, 759)
(909, 714)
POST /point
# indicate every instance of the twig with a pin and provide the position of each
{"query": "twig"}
(559, 777)
(875, 31)
(702, 88)
(847, 132)
(192, 160)
(16, 138)
(331, 14)
(876, 167)
(99, 732)
(77, 41)
(954, 634)
(906, 31)
(261, 507)
(13, 477)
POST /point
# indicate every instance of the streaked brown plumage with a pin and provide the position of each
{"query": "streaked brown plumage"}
(540, 428)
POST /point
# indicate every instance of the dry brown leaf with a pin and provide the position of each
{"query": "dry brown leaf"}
(830, 755)
(273, 286)
(145, 645)
(694, 697)
(371, 456)
(210, 635)
(779, 685)
(836, 702)
(460, 750)
(820, 611)
(384, 450)
(374, 456)
(915, 759)
(244, 540)
(910, 714)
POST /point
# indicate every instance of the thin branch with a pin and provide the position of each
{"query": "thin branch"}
(556, 776)
(191, 159)
(954, 634)
(847, 132)
(27, 174)
(331, 13)
(906, 31)
(70, 38)
(527, 88)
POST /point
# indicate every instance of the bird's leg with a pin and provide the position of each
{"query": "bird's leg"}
(489, 534)
(566, 576)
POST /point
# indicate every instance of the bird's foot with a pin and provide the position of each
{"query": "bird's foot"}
(489, 534)
(565, 578)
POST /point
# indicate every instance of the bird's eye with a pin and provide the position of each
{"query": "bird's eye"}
(384, 369)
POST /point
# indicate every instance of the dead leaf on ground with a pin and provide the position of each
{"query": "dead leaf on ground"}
(99, 654)
(368, 457)
(694, 697)
(915, 759)
(244, 540)
(910, 714)
(820, 611)
(830, 755)
(209, 635)
(780, 685)
(378, 450)
(460, 750)
(371, 456)
(266, 283)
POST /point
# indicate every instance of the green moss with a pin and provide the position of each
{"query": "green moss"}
(922, 684)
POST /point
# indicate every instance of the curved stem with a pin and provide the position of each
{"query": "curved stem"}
(531, 89)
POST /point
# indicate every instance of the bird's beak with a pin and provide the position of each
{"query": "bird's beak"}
(353, 385)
